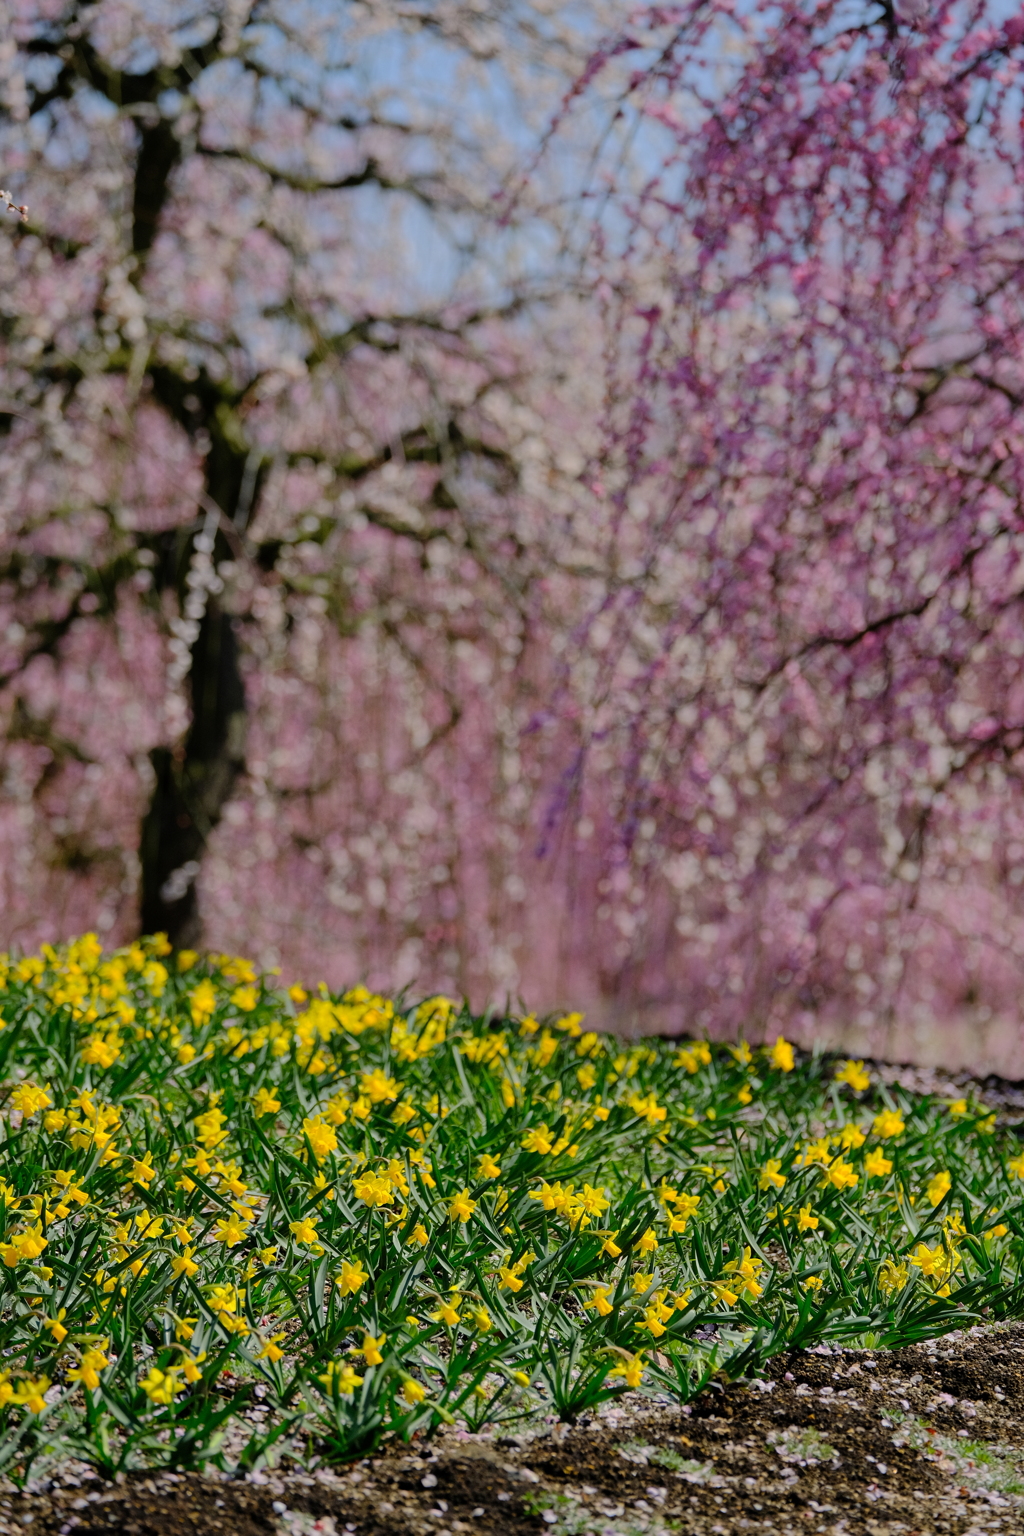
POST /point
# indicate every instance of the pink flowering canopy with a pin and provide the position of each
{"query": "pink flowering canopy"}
(611, 602)
(802, 679)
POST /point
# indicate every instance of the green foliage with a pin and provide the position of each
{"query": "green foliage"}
(236, 1220)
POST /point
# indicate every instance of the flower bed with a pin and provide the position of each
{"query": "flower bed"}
(239, 1219)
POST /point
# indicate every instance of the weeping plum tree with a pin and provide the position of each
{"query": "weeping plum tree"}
(802, 672)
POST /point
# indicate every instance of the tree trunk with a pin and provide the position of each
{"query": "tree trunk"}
(192, 785)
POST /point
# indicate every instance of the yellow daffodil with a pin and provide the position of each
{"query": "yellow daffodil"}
(631, 1369)
(841, 1174)
(461, 1207)
(370, 1349)
(599, 1301)
(352, 1278)
(28, 1099)
(56, 1326)
(340, 1378)
(781, 1055)
(161, 1386)
(304, 1231)
(271, 1349)
(939, 1187)
(770, 1177)
(184, 1264)
(265, 1102)
(854, 1074)
(31, 1393)
(321, 1137)
(87, 1371)
(231, 1231)
(892, 1276)
(448, 1311)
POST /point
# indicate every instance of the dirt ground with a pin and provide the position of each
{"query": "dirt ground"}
(925, 1441)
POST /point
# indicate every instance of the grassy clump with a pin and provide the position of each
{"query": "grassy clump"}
(321, 1219)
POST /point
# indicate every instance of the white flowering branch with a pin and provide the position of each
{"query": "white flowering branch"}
(21, 209)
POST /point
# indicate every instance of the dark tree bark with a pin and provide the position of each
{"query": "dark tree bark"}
(159, 152)
(193, 784)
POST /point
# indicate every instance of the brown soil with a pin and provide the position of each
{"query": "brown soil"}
(925, 1441)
